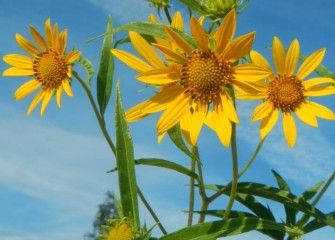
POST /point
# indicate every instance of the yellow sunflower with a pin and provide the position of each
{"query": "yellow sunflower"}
(47, 63)
(288, 91)
(193, 79)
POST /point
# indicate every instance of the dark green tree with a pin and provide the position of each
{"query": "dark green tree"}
(106, 210)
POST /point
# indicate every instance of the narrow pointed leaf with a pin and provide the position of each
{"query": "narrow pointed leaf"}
(106, 69)
(156, 162)
(125, 163)
(315, 224)
(311, 192)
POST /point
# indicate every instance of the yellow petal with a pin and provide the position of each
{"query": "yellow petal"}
(135, 113)
(179, 41)
(18, 72)
(132, 61)
(292, 57)
(152, 18)
(311, 63)
(226, 31)
(19, 61)
(170, 55)
(317, 81)
(199, 34)
(255, 88)
(229, 108)
(26, 45)
(268, 123)
(177, 21)
(48, 32)
(26, 89)
(173, 113)
(59, 96)
(35, 101)
(159, 76)
(306, 116)
(259, 60)
(289, 128)
(160, 137)
(278, 54)
(262, 111)
(72, 56)
(47, 97)
(320, 111)
(239, 47)
(145, 50)
(62, 41)
(317, 91)
(249, 72)
(38, 38)
(67, 88)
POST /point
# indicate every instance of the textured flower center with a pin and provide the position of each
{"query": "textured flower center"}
(120, 232)
(286, 92)
(205, 75)
(50, 69)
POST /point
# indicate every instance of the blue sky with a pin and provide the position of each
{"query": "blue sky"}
(52, 168)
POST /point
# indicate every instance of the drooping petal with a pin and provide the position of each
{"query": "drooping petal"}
(311, 63)
(268, 123)
(290, 130)
(18, 72)
(26, 45)
(292, 58)
(229, 108)
(159, 76)
(72, 56)
(316, 91)
(199, 34)
(67, 88)
(59, 96)
(262, 111)
(278, 54)
(320, 111)
(170, 55)
(317, 81)
(145, 50)
(226, 31)
(173, 113)
(135, 113)
(38, 38)
(19, 61)
(26, 89)
(35, 101)
(179, 41)
(238, 47)
(47, 97)
(306, 116)
(132, 61)
(177, 21)
(249, 72)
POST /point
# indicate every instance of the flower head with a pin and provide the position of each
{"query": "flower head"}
(288, 91)
(217, 9)
(48, 64)
(195, 78)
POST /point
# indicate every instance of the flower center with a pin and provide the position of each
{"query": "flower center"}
(121, 232)
(205, 75)
(286, 92)
(50, 69)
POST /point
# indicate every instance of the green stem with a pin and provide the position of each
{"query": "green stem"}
(235, 173)
(151, 211)
(96, 111)
(191, 203)
(167, 14)
(305, 217)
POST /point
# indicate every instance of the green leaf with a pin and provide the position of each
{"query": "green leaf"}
(223, 228)
(166, 164)
(220, 213)
(310, 193)
(178, 140)
(125, 163)
(88, 67)
(315, 224)
(106, 69)
(291, 214)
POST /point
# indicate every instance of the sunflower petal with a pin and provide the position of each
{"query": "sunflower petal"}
(177, 21)
(306, 116)
(320, 111)
(292, 58)
(262, 111)
(145, 50)
(38, 38)
(159, 76)
(135, 113)
(249, 72)
(238, 47)
(67, 88)
(199, 34)
(132, 61)
(26, 89)
(268, 123)
(26, 45)
(168, 53)
(317, 81)
(19, 61)
(317, 91)
(259, 60)
(229, 108)
(47, 97)
(18, 72)
(290, 130)
(226, 31)
(59, 96)
(311, 63)
(48, 32)
(179, 41)
(35, 101)
(62, 41)
(72, 56)
(278, 54)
